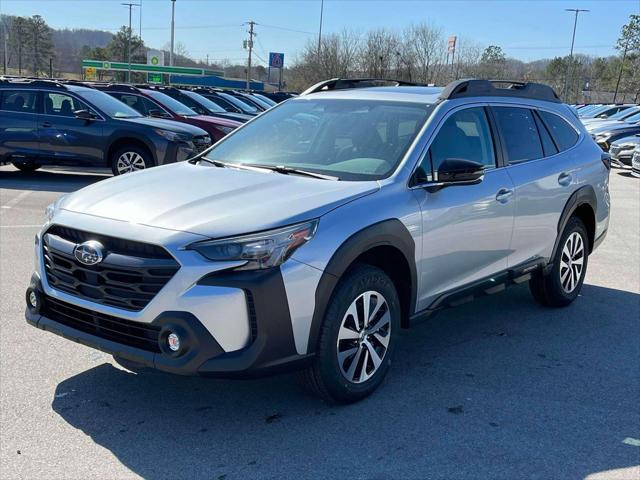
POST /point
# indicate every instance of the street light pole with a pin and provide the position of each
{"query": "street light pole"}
(320, 29)
(130, 5)
(573, 39)
(250, 46)
(173, 29)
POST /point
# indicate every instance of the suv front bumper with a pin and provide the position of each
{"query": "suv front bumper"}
(271, 349)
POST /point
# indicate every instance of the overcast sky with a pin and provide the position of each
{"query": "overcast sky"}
(524, 29)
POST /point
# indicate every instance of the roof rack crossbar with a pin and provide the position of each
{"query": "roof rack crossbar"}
(492, 88)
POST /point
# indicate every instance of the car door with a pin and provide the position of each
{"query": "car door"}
(18, 124)
(65, 139)
(466, 229)
(544, 172)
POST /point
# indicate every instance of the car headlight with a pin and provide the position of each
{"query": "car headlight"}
(260, 250)
(173, 136)
(226, 130)
(52, 208)
(602, 137)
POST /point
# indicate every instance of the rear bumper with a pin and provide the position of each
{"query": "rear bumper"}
(271, 351)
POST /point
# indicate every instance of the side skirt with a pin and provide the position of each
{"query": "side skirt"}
(486, 286)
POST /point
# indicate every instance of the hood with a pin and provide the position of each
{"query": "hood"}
(216, 121)
(238, 117)
(170, 125)
(634, 140)
(213, 201)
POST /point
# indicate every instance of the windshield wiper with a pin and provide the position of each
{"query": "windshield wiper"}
(217, 163)
(288, 170)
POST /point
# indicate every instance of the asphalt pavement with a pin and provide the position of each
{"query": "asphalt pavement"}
(500, 388)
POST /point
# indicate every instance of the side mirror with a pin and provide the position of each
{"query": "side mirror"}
(85, 115)
(155, 113)
(457, 171)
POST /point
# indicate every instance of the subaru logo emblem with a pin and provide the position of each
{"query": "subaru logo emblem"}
(89, 253)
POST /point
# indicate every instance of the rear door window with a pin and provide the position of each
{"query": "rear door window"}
(563, 133)
(62, 105)
(21, 101)
(519, 133)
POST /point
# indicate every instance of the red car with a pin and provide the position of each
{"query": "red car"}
(153, 103)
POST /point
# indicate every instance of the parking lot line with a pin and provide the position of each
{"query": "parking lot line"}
(17, 199)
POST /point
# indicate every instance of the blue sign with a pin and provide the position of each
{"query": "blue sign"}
(276, 60)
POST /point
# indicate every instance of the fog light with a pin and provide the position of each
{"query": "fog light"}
(173, 341)
(33, 300)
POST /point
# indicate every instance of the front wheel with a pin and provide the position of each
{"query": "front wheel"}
(357, 337)
(130, 159)
(26, 167)
(563, 284)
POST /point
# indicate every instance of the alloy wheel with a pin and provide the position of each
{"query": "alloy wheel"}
(363, 339)
(572, 262)
(130, 162)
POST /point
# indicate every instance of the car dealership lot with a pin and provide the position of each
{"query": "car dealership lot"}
(499, 388)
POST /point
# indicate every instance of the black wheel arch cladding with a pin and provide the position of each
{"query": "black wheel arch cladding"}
(390, 233)
(585, 195)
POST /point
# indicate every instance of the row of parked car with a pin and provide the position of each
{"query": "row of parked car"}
(616, 128)
(120, 126)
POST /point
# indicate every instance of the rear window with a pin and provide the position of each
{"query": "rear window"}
(563, 133)
(22, 101)
(520, 133)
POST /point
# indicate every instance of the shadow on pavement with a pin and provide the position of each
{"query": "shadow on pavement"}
(498, 388)
(50, 180)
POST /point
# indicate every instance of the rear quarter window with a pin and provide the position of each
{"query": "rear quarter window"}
(520, 134)
(564, 134)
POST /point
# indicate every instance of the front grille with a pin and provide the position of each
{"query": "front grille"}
(129, 277)
(134, 334)
(201, 143)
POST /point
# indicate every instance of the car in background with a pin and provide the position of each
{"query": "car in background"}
(44, 122)
(156, 104)
(604, 124)
(620, 116)
(227, 101)
(605, 136)
(279, 97)
(267, 100)
(604, 111)
(621, 150)
(200, 104)
(635, 162)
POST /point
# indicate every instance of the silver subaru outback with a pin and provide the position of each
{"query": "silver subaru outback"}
(310, 236)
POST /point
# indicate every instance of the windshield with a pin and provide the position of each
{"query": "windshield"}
(245, 107)
(108, 105)
(266, 100)
(205, 102)
(348, 139)
(622, 114)
(171, 103)
(633, 118)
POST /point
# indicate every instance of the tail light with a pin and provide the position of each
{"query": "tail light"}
(606, 159)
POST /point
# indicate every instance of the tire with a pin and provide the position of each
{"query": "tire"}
(563, 283)
(340, 381)
(26, 167)
(130, 158)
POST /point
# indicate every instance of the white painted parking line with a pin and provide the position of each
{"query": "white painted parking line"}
(17, 199)
(20, 226)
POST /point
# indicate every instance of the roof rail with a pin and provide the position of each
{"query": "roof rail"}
(115, 87)
(347, 83)
(32, 82)
(493, 88)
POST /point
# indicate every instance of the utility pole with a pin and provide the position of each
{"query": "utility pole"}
(320, 29)
(249, 44)
(130, 5)
(573, 39)
(6, 41)
(173, 29)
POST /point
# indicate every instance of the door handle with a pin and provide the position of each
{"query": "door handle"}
(564, 179)
(504, 195)
(46, 125)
